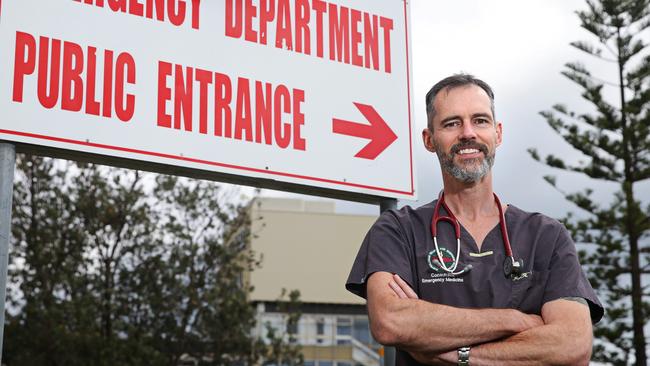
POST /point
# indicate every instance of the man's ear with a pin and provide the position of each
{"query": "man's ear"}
(499, 128)
(427, 139)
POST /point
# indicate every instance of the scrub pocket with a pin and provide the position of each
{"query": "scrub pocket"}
(527, 293)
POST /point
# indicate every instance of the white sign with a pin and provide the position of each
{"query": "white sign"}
(310, 92)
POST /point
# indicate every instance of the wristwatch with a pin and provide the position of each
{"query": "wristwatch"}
(463, 356)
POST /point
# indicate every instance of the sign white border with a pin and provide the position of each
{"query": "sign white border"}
(220, 166)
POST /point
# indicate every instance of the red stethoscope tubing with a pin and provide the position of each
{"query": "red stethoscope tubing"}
(454, 222)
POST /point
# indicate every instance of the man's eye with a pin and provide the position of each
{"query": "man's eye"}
(481, 121)
(451, 124)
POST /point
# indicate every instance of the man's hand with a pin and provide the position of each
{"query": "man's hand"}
(401, 288)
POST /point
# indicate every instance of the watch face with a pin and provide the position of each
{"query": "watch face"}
(463, 356)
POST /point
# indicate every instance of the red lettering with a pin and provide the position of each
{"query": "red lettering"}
(251, 12)
(164, 94)
(275, 111)
(24, 62)
(92, 106)
(267, 14)
(319, 8)
(283, 37)
(67, 68)
(299, 143)
(48, 98)
(234, 18)
(339, 34)
(204, 78)
(243, 117)
(222, 112)
(124, 64)
(108, 83)
(263, 118)
(371, 41)
(160, 9)
(183, 97)
(355, 17)
(136, 8)
(302, 27)
(281, 104)
(176, 15)
(195, 13)
(72, 85)
(117, 5)
(176, 9)
(387, 25)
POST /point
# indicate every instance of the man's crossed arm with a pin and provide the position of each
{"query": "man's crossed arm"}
(432, 333)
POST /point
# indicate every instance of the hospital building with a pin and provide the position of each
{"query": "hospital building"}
(307, 246)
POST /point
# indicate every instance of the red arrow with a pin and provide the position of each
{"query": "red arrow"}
(380, 135)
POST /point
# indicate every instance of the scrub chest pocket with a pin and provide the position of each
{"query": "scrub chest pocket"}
(528, 293)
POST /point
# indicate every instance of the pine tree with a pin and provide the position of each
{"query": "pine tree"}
(615, 139)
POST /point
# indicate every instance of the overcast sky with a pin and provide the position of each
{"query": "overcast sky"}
(519, 48)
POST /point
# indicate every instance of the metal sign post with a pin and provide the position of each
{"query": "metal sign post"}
(7, 164)
(389, 352)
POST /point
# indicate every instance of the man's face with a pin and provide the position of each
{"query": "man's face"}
(465, 135)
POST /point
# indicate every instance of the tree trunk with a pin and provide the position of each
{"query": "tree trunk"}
(630, 225)
(635, 272)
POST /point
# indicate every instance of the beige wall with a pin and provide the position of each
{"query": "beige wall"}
(305, 246)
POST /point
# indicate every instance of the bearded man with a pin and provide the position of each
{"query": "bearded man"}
(464, 279)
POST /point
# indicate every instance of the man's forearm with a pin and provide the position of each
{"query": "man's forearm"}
(419, 326)
(564, 341)
(537, 346)
(435, 328)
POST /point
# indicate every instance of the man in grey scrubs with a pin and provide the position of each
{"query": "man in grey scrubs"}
(443, 304)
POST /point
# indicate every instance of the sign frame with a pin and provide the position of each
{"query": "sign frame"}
(264, 178)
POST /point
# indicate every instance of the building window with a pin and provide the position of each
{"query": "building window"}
(292, 327)
(320, 327)
(343, 326)
(361, 330)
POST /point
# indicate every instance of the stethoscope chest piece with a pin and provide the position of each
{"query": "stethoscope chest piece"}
(512, 267)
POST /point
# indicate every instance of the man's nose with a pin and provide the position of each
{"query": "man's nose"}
(468, 131)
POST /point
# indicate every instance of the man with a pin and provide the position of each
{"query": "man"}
(448, 303)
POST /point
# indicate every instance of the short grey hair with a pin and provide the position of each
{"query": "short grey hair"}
(452, 82)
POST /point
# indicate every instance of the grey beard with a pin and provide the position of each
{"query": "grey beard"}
(466, 175)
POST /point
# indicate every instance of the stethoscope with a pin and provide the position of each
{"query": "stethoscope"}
(511, 267)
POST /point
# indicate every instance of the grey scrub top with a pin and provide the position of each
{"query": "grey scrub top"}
(400, 242)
